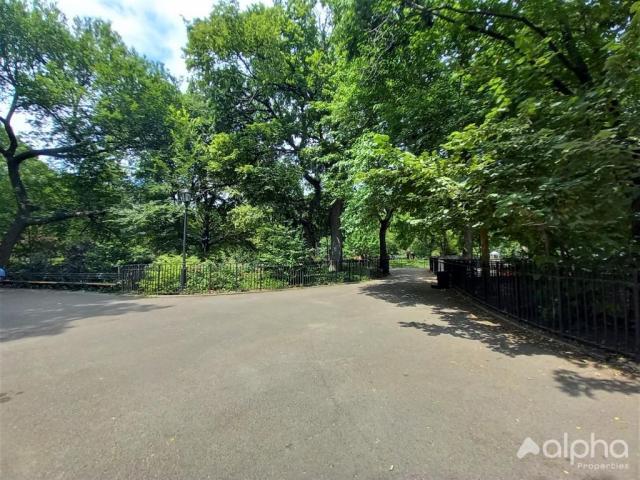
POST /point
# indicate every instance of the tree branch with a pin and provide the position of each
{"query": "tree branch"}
(579, 70)
(49, 152)
(472, 28)
(6, 122)
(558, 84)
(315, 183)
(13, 107)
(61, 216)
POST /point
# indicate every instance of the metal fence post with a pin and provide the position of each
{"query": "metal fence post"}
(499, 283)
(516, 288)
(636, 311)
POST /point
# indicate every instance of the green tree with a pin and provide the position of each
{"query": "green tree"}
(91, 101)
(548, 155)
(265, 72)
(375, 179)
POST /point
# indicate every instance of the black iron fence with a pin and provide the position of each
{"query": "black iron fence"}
(157, 279)
(593, 306)
(83, 279)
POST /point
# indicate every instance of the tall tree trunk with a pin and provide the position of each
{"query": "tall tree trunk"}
(546, 241)
(206, 209)
(10, 238)
(484, 260)
(205, 235)
(635, 213)
(308, 224)
(336, 235)
(468, 242)
(484, 246)
(382, 237)
(309, 233)
(444, 244)
(485, 266)
(24, 209)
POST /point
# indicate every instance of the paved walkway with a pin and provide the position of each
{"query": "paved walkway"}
(387, 379)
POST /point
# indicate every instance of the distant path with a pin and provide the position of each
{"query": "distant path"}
(386, 379)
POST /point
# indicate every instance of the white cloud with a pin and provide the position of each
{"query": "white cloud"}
(154, 28)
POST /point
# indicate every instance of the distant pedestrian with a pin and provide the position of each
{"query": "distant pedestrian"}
(3, 274)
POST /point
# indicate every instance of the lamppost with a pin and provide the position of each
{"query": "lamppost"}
(184, 196)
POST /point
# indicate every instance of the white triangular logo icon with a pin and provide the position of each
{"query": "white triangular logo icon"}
(527, 447)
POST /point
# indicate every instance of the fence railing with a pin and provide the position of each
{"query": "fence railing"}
(66, 278)
(593, 306)
(157, 279)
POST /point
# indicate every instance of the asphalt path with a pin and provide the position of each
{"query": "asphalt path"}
(387, 379)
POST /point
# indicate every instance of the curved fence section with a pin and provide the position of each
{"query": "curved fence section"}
(97, 280)
(597, 307)
(210, 277)
(157, 279)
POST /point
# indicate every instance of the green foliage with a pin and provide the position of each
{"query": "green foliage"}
(265, 73)
(279, 245)
(164, 276)
(93, 105)
(375, 177)
(543, 150)
(80, 83)
(428, 118)
(48, 186)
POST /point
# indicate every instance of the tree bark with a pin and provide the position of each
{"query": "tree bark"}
(484, 246)
(336, 235)
(485, 266)
(309, 233)
(24, 207)
(382, 236)
(444, 244)
(635, 210)
(205, 235)
(308, 225)
(205, 209)
(468, 242)
(10, 238)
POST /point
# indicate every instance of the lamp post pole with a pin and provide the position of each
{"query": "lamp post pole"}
(185, 197)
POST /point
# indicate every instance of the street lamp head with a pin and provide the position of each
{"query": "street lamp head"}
(184, 195)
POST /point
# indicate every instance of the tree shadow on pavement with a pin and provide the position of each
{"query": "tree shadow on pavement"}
(32, 313)
(576, 384)
(405, 288)
(458, 317)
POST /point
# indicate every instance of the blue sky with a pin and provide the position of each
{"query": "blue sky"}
(153, 27)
